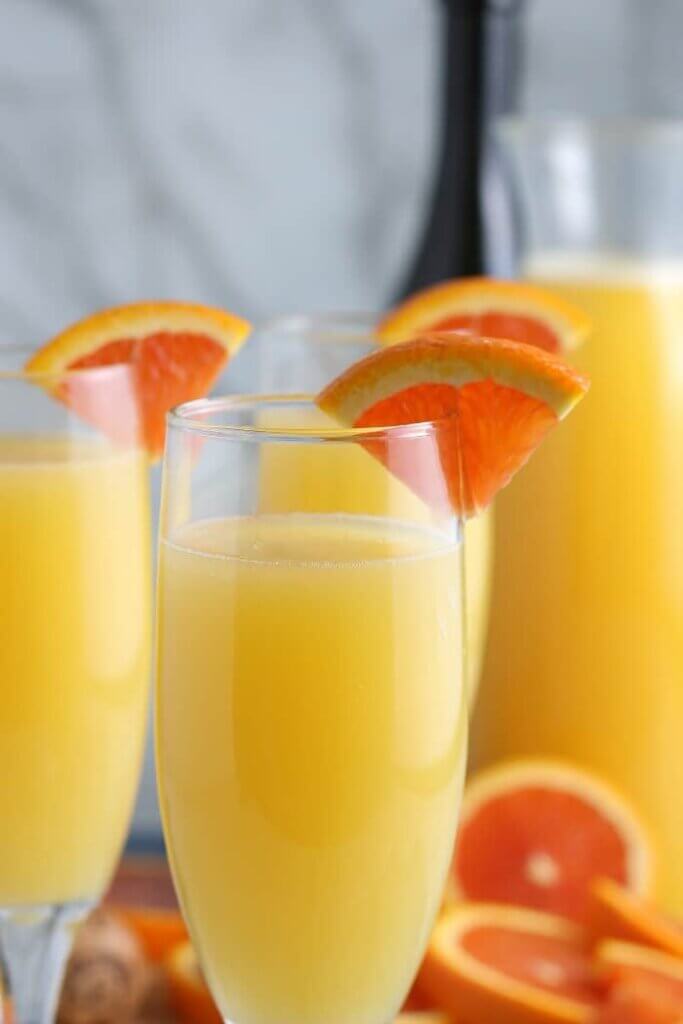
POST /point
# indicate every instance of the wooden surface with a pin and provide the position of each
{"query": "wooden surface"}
(143, 881)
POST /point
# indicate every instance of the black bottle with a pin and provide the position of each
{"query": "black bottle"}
(482, 42)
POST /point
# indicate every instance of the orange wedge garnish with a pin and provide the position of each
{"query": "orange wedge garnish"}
(644, 984)
(176, 350)
(487, 964)
(616, 912)
(189, 995)
(496, 401)
(536, 833)
(489, 307)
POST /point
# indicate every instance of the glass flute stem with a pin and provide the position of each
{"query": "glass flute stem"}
(35, 943)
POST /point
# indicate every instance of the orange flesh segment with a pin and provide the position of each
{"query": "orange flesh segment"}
(538, 848)
(165, 376)
(544, 961)
(514, 326)
(107, 355)
(495, 431)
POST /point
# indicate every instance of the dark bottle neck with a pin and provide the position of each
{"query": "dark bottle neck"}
(480, 61)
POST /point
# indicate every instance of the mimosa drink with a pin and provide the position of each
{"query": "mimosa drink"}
(586, 652)
(74, 662)
(311, 745)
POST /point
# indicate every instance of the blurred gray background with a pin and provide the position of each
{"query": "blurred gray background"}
(266, 155)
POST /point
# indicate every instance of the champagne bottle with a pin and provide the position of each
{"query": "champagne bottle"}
(482, 40)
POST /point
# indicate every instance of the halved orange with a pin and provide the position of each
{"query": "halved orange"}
(177, 349)
(189, 995)
(488, 963)
(615, 912)
(536, 833)
(495, 401)
(496, 309)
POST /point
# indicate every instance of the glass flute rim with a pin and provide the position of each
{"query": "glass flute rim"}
(600, 130)
(21, 374)
(327, 326)
(188, 418)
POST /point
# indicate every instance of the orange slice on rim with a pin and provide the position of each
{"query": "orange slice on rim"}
(646, 985)
(615, 912)
(487, 963)
(535, 833)
(496, 401)
(496, 309)
(189, 995)
(177, 350)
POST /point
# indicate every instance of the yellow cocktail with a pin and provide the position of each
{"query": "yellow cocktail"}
(586, 652)
(311, 711)
(74, 661)
(311, 738)
(77, 419)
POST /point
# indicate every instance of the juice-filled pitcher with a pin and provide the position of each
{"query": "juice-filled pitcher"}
(585, 659)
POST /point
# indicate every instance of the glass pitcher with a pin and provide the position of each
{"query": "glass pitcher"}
(585, 659)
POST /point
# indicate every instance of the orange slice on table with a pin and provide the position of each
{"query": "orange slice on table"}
(617, 913)
(177, 350)
(495, 400)
(417, 1000)
(640, 1003)
(419, 1008)
(644, 984)
(423, 1017)
(536, 833)
(159, 930)
(189, 996)
(493, 308)
(488, 963)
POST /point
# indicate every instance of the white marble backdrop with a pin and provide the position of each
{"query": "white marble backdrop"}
(267, 155)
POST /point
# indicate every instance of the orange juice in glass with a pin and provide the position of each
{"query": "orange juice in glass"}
(586, 653)
(74, 572)
(302, 353)
(74, 660)
(311, 720)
